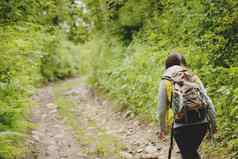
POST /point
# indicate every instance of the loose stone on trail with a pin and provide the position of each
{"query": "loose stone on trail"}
(150, 149)
(51, 106)
(150, 156)
(126, 155)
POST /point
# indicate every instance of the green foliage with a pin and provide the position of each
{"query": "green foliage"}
(27, 51)
(220, 36)
(18, 60)
(121, 17)
(205, 31)
(65, 14)
(34, 49)
(43, 11)
(223, 89)
(61, 59)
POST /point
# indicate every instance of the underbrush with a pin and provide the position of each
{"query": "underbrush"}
(131, 75)
(29, 56)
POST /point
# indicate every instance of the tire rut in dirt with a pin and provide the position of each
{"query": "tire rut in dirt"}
(51, 139)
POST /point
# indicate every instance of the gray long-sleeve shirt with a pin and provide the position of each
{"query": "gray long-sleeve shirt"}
(163, 107)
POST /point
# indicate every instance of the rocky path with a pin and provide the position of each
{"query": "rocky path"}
(51, 139)
(74, 123)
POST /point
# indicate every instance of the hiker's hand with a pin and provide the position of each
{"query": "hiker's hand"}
(162, 135)
(215, 130)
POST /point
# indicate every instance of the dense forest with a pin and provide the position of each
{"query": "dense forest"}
(120, 46)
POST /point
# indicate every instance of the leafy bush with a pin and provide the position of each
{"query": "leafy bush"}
(60, 61)
(34, 48)
(18, 60)
(24, 52)
(223, 89)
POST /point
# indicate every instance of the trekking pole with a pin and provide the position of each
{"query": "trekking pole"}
(171, 142)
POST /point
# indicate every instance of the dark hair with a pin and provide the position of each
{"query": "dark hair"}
(175, 59)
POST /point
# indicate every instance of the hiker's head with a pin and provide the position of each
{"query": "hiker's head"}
(175, 59)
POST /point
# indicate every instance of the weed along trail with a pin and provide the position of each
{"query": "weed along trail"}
(74, 123)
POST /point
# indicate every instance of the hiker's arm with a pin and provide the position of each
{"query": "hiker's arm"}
(211, 106)
(163, 105)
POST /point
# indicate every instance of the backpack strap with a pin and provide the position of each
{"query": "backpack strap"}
(167, 78)
(173, 82)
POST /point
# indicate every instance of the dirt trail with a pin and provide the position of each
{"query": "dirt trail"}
(96, 131)
(51, 139)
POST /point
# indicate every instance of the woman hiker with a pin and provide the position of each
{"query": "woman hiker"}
(191, 120)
